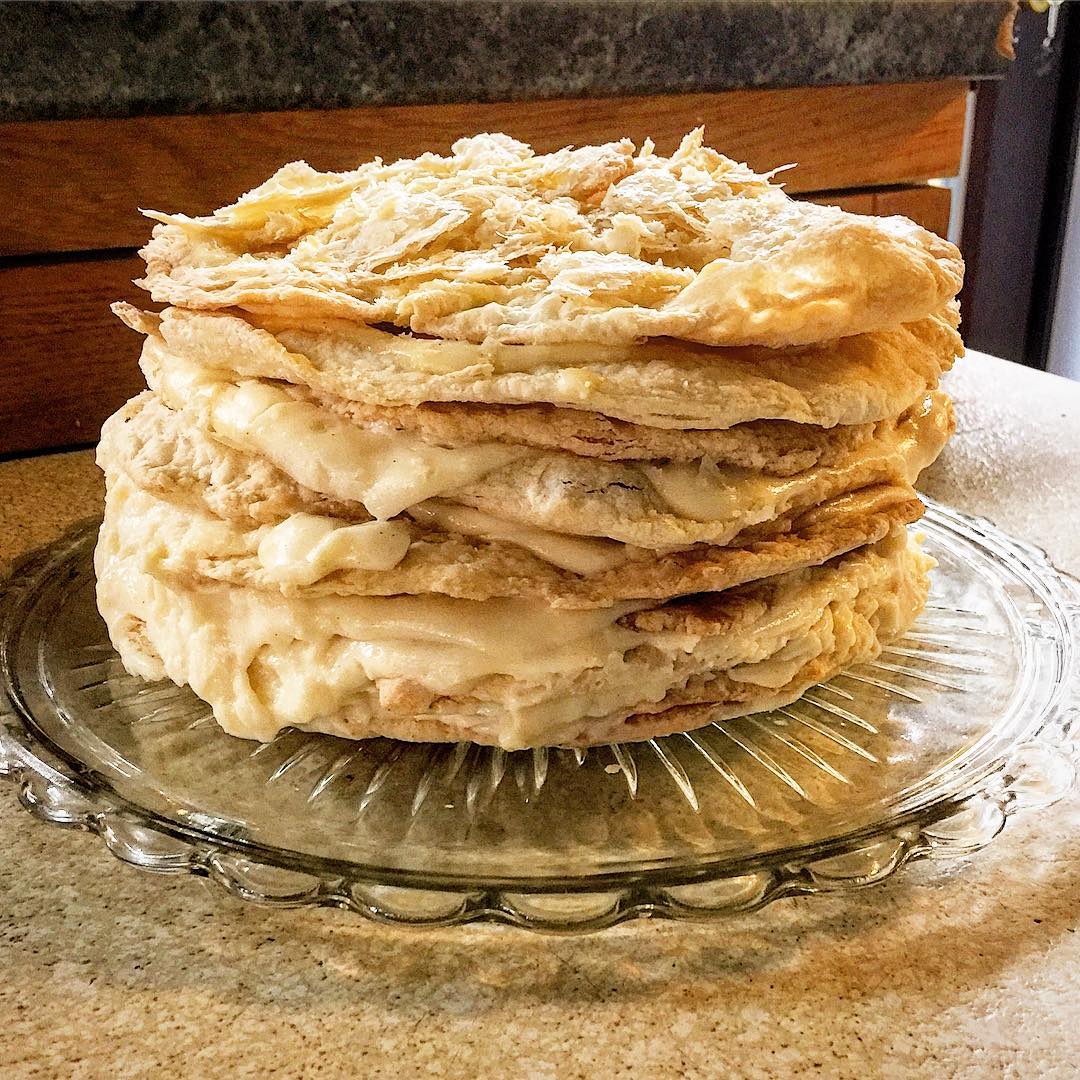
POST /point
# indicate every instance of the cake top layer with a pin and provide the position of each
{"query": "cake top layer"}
(604, 244)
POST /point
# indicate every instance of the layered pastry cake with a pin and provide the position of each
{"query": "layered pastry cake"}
(523, 449)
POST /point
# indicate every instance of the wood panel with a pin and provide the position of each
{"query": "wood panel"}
(66, 362)
(929, 206)
(74, 185)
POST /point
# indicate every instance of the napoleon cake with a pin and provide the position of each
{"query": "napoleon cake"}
(523, 449)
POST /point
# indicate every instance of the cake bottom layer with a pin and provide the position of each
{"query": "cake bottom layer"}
(510, 673)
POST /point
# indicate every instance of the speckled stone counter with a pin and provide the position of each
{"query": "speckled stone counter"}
(967, 969)
(65, 60)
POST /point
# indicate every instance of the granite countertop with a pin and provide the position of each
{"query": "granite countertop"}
(68, 60)
(964, 969)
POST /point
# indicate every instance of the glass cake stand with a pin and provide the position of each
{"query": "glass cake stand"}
(925, 752)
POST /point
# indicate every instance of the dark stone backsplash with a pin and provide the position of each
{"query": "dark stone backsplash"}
(64, 60)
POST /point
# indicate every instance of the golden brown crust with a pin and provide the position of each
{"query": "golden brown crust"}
(734, 607)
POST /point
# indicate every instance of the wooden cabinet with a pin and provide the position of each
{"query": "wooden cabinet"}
(72, 189)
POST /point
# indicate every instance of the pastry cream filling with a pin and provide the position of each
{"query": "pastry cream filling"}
(386, 472)
(578, 554)
(304, 548)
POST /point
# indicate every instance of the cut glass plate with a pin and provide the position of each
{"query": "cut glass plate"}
(924, 752)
